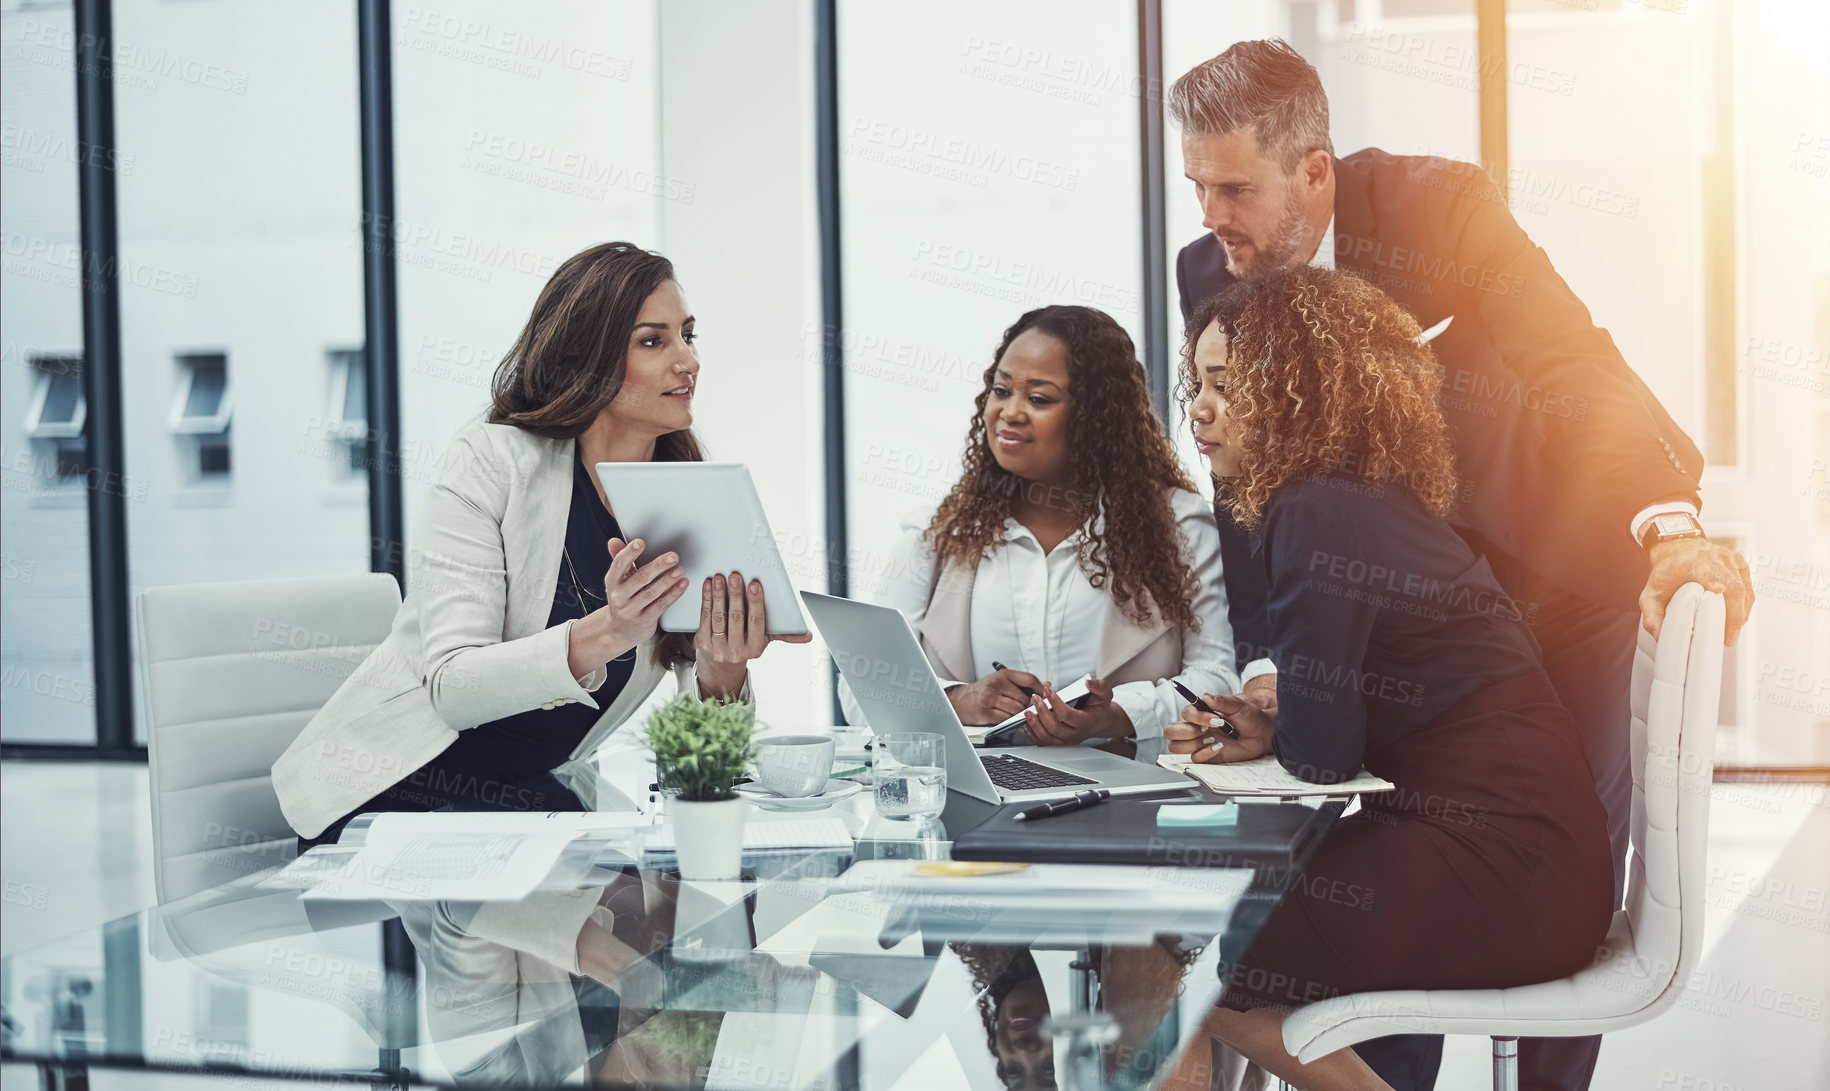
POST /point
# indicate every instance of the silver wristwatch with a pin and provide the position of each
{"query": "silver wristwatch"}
(1670, 525)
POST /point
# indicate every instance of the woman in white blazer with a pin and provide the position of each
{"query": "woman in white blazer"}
(528, 633)
(1072, 544)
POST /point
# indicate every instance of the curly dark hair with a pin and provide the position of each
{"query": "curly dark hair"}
(1325, 375)
(997, 970)
(1123, 466)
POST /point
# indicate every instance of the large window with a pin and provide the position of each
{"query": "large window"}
(989, 166)
(47, 690)
(1679, 183)
(523, 134)
(526, 133)
(240, 269)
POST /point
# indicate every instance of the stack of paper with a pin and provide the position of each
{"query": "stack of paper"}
(457, 856)
(1265, 777)
(786, 833)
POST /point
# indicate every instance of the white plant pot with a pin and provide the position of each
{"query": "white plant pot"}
(709, 838)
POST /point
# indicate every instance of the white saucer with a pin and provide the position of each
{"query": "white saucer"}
(764, 798)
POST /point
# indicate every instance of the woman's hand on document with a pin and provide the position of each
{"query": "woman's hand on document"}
(1198, 735)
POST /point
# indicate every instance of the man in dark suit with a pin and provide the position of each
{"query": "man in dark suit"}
(1576, 485)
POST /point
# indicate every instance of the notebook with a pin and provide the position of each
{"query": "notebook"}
(1265, 777)
(1127, 832)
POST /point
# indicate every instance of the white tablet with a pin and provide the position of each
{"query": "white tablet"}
(708, 513)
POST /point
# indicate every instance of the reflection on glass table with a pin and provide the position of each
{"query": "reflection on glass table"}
(792, 976)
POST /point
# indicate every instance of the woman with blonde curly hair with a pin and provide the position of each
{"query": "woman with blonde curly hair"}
(1072, 544)
(1396, 650)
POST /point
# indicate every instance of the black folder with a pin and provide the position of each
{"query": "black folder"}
(1124, 831)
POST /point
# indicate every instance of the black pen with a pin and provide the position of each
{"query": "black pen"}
(1090, 798)
(997, 666)
(1231, 731)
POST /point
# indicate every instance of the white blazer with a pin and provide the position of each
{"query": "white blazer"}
(470, 644)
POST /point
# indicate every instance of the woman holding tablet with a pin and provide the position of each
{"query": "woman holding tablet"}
(529, 632)
(1071, 545)
(1396, 649)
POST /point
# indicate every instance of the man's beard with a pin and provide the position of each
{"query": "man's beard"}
(1285, 245)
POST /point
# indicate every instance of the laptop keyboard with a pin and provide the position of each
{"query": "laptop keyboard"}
(1014, 774)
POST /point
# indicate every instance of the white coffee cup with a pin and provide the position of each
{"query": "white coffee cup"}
(794, 765)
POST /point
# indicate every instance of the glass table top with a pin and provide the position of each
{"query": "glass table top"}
(787, 978)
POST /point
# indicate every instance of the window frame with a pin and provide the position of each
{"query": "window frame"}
(181, 422)
(35, 426)
(345, 365)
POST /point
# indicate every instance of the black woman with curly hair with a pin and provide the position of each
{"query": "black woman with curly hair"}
(1396, 650)
(1072, 544)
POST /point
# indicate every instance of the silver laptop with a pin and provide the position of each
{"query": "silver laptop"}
(881, 659)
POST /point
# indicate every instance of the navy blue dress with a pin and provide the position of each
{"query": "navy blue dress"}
(499, 765)
(1397, 650)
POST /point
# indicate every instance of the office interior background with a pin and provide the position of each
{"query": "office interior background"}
(1672, 156)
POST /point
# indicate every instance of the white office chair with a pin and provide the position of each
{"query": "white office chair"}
(231, 673)
(1651, 948)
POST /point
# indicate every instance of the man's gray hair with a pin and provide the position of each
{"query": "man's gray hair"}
(1262, 84)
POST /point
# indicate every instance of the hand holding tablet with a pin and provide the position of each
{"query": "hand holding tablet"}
(733, 629)
(638, 593)
(708, 514)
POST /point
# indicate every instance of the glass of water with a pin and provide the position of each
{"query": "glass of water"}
(910, 770)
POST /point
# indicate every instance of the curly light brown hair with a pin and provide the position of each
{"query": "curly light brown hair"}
(1325, 375)
(1122, 467)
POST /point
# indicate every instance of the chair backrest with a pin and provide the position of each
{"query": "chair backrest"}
(1677, 686)
(231, 673)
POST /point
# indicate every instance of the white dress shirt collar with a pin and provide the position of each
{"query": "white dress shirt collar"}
(1324, 251)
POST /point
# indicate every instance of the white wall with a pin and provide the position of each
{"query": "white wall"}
(737, 137)
(523, 134)
(990, 166)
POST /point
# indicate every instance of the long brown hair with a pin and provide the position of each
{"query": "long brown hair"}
(1325, 375)
(572, 356)
(1122, 467)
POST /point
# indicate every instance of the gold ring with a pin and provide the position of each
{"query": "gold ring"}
(717, 632)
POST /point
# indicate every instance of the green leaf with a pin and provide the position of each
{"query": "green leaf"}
(700, 747)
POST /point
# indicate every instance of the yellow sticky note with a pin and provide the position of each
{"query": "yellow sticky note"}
(967, 869)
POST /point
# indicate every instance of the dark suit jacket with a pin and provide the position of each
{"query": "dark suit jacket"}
(1558, 442)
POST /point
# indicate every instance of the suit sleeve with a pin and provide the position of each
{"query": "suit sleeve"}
(1612, 427)
(1187, 305)
(471, 673)
(1320, 630)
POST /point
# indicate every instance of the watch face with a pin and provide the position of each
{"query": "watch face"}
(1674, 523)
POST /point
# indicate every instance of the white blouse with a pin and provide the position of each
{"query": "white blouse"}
(1039, 613)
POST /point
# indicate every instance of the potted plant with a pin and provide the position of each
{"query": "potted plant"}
(701, 749)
